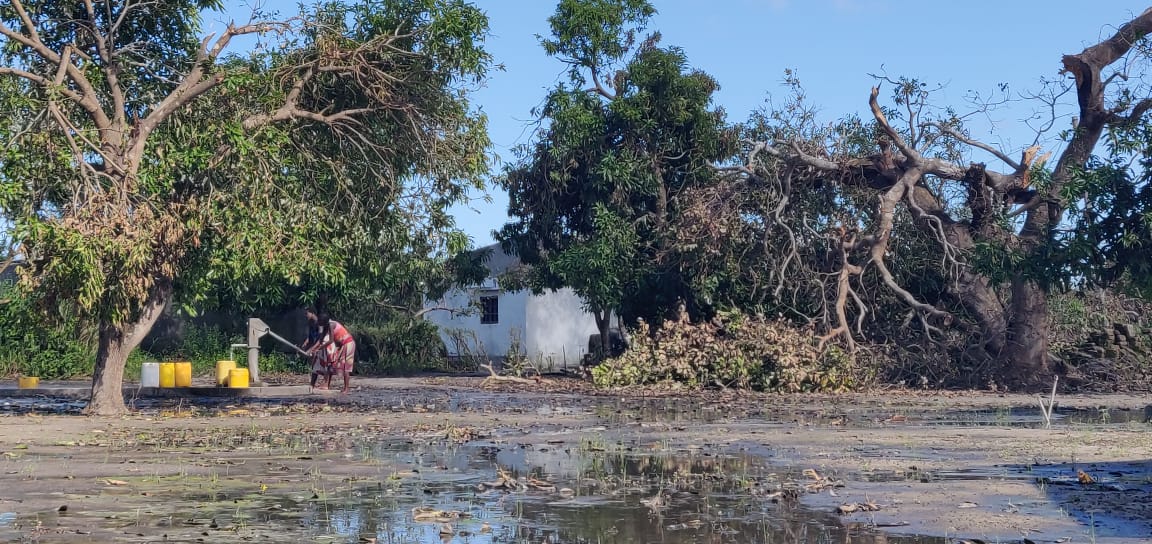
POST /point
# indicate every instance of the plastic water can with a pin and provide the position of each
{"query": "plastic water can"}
(28, 382)
(238, 378)
(222, 370)
(167, 374)
(183, 374)
(150, 375)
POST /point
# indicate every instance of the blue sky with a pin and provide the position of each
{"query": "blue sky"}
(832, 44)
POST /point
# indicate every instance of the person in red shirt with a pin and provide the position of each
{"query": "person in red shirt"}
(337, 335)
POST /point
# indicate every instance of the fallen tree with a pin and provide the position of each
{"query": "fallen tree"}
(994, 229)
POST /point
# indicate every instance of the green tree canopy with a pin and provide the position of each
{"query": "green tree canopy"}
(632, 129)
(147, 164)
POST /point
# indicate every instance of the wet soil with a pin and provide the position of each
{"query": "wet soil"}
(444, 460)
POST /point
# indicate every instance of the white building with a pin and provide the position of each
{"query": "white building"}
(551, 328)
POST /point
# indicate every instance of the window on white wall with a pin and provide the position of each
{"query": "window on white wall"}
(489, 310)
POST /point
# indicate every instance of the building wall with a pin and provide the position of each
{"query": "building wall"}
(494, 339)
(558, 329)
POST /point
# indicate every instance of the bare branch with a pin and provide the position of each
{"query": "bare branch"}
(414, 315)
(291, 110)
(899, 142)
(195, 83)
(598, 88)
(974, 143)
(19, 6)
(111, 68)
(1137, 112)
(888, 202)
(42, 81)
(86, 98)
(843, 291)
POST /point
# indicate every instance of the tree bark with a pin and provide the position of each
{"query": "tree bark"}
(975, 293)
(116, 343)
(1027, 350)
(603, 322)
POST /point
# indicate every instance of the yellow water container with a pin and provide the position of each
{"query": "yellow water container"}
(222, 370)
(183, 374)
(28, 382)
(238, 378)
(167, 374)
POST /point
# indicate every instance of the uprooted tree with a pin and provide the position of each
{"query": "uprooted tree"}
(144, 164)
(995, 233)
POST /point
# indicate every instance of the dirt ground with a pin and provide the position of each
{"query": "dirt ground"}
(956, 465)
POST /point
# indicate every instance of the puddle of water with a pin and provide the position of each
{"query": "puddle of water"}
(928, 476)
(681, 411)
(1106, 416)
(559, 493)
(43, 405)
(604, 497)
(1029, 416)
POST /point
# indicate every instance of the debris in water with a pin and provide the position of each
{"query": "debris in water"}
(426, 513)
(852, 508)
(656, 502)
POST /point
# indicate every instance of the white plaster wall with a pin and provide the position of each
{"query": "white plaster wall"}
(495, 338)
(558, 329)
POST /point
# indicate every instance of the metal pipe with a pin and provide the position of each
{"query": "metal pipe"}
(286, 342)
(257, 329)
(231, 352)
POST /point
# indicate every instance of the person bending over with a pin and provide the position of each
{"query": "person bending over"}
(345, 356)
(321, 359)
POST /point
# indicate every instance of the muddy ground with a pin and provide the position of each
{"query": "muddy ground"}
(447, 460)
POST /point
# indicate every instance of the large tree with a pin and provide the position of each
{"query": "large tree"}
(631, 129)
(994, 229)
(145, 164)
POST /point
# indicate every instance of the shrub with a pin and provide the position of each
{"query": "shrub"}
(731, 351)
(31, 346)
(398, 346)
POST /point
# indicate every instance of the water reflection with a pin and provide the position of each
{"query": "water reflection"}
(603, 498)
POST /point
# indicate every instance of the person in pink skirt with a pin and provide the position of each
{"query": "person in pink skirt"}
(344, 359)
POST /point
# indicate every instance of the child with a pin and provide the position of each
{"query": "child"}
(321, 358)
(345, 346)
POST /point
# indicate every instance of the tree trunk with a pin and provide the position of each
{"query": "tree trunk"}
(972, 291)
(116, 344)
(1026, 352)
(976, 295)
(603, 323)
